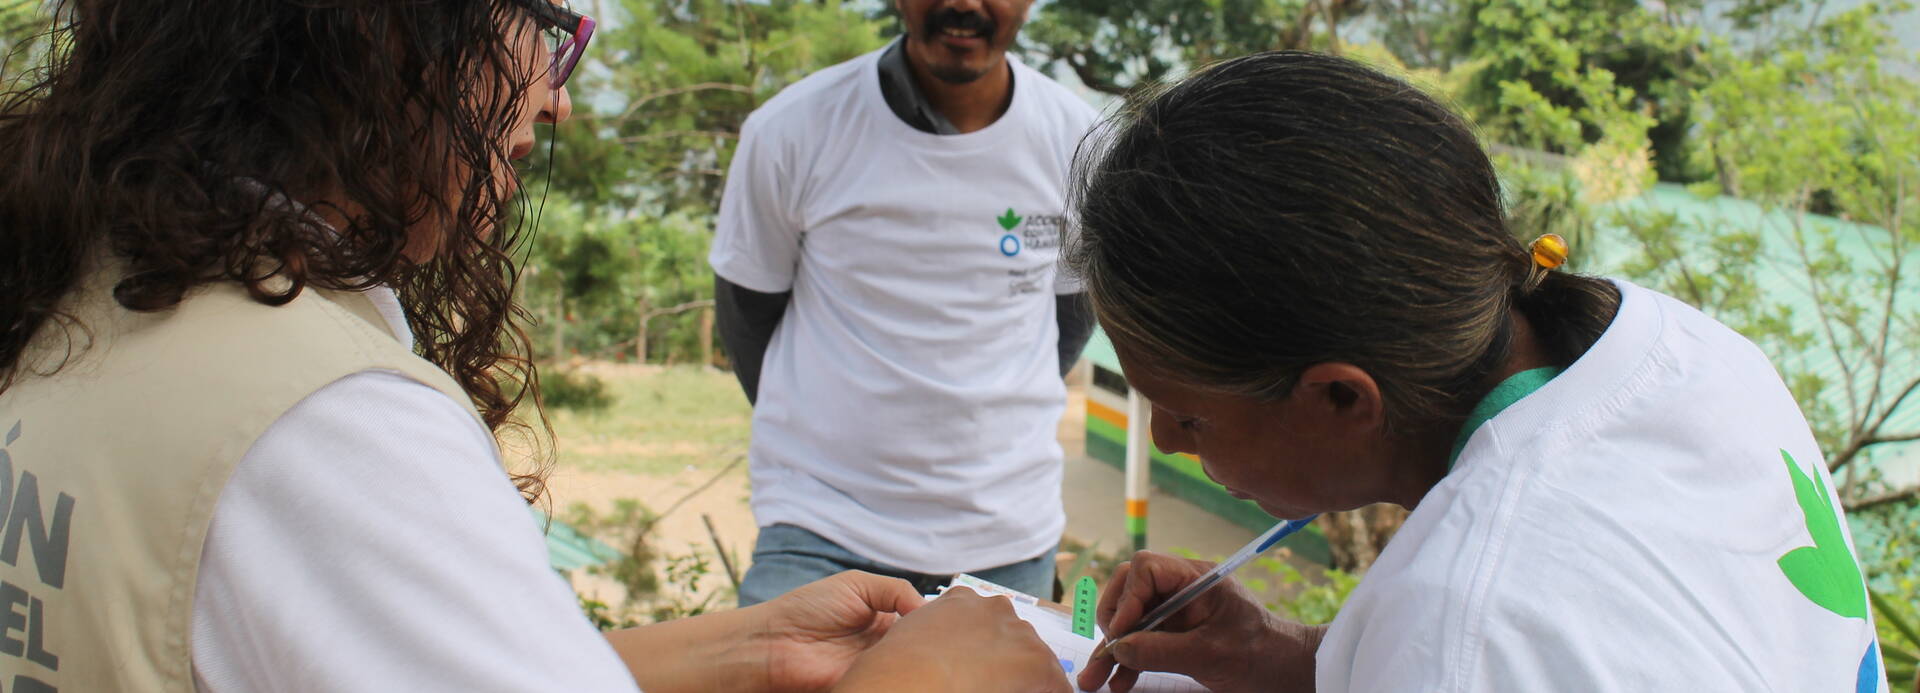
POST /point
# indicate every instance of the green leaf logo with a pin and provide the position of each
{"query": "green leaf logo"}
(1009, 220)
(1825, 572)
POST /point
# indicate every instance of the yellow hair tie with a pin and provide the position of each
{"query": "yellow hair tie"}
(1549, 251)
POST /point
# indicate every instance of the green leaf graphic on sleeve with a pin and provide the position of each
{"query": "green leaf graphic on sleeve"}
(1825, 572)
(1009, 220)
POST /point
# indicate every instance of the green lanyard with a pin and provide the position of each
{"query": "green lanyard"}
(1503, 395)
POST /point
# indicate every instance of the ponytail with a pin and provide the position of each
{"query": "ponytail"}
(1569, 312)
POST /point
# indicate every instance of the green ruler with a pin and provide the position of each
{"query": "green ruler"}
(1085, 597)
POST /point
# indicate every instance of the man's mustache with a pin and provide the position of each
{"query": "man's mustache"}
(950, 18)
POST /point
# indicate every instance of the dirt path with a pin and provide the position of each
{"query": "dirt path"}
(680, 532)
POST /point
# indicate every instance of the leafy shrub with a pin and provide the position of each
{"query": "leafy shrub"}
(1898, 623)
(647, 597)
(570, 389)
(1315, 602)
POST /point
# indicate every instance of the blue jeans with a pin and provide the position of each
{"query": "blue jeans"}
(785, 557)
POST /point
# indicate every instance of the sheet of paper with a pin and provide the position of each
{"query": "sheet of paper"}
(1056, 629)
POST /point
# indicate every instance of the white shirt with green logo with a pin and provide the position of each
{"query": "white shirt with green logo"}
(909, 400)
(1657, 517)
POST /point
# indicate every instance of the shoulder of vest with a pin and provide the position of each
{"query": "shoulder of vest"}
(319, 331)
(218, 339)
(124, 453)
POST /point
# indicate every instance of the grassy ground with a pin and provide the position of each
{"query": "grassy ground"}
(665, 456)
(673, 440)
(662, 421)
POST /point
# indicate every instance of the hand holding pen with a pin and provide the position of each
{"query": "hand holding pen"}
(1204, 625)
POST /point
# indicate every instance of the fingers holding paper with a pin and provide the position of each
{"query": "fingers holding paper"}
(1224, 639)
(961, 642)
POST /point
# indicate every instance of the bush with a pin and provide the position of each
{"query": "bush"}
(655, 587)
(1315, 602)
(569, 389)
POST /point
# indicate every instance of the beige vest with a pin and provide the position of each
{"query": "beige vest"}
(110, 469)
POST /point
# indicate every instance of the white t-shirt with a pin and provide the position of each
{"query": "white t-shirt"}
(1627, 527)
(908, 402)
(368, 541)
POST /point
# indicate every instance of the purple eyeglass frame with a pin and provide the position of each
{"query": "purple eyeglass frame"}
(579, 29)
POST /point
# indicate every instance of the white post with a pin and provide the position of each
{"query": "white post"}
(1139, 466)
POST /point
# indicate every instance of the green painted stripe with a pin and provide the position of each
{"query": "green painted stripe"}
(1182, 478)
(1136, 525)
(1117, 435)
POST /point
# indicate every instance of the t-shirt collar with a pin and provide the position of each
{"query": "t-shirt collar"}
(904, 96)
(1509, 391)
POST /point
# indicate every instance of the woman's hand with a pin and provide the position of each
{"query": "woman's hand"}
(802, 641)
(816, 631)
(961, 642)
(1224, 639)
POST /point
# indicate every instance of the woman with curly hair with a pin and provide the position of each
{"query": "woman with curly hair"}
(257, 337)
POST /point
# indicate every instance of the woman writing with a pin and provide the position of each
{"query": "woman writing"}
(255, 317)
(1305, 267)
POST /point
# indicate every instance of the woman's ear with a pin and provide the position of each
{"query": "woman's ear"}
(1340, 397)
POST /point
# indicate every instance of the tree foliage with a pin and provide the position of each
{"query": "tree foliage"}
(1116, 47)
(1559, 75)
(22, 22)
(670, 83)
(636, 174)
(1818, 123)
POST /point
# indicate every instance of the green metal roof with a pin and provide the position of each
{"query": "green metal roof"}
(568, 549)
(1100, 351)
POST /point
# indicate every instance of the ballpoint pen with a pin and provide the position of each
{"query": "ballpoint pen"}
(1217, 575)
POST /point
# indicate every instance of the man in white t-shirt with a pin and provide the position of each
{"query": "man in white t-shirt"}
(885, 271)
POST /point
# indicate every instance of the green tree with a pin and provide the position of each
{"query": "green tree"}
(1817, 120)
(605, 283)
(21, 22)
(1820, 121)
(637, 173)
(1116, 46)
(670, 83)
(1556, 75)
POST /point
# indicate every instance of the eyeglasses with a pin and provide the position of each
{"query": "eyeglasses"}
(566, 53)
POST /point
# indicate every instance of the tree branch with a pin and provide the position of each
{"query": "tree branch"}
(682, 308)
(1895, 405)
(1093, 81)
(1300, 35)
(1826, 318)
(696, 172)
(1882, 499)
(1901, 438)
(678, 133)
(1332, 12)
(632, 108)
(1862, 442)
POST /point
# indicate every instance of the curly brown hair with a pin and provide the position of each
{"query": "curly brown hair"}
(152, 129)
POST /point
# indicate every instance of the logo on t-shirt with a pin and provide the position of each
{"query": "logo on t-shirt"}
(1028, 233)
(1826, 572)
(1010, 243)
